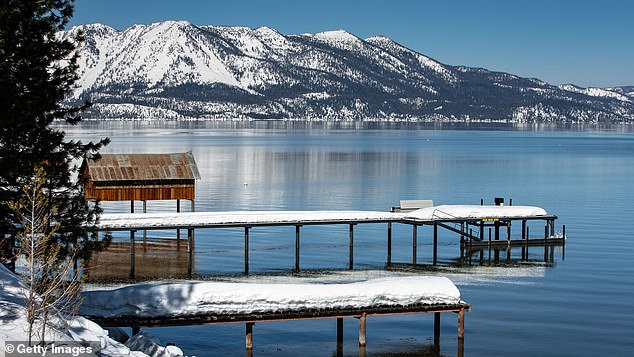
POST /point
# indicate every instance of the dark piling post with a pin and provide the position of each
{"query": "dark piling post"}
(414, 243)
(190, 250)
(132, 267)
(246, 250)
(461, 324)
(297, 236)
(339, 330)
(178, 231)
(436, 328)
(435, 258)
(389, 244)
(145, 230)
(523, 229)
(351, 249)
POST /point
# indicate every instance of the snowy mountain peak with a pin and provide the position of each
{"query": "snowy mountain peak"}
(174, 69)
(337, 35)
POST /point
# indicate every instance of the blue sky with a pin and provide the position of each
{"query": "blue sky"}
(585, 42)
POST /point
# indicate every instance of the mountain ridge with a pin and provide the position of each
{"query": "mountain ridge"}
(176, 70)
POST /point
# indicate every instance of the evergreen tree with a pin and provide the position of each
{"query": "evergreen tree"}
(53, 287)
(37, 70)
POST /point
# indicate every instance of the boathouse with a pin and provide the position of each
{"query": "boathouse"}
(141, 177)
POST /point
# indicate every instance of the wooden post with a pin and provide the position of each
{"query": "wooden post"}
(496, 224)
(436, 327)
(461, 324)
(193, 207)
(246, 250)
(249, 335)
(145, 230)
(297, 235)
(178, 231)
(435, 258)
(131, 206)
(481, 230)
(190, 250)
(339, 330)
(132, 268)
(414, 243)
(508, 235)
(351, 246)
(362, 329)
(389, 244)
(523, 229)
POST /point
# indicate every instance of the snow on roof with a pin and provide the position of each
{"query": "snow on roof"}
(201, 298)
(245, 218)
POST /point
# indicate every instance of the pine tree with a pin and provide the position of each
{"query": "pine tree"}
(53, 286)
(37, 71)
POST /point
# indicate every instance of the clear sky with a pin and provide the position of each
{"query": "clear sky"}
(585, 42)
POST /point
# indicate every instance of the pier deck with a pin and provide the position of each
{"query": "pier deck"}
(460, 219)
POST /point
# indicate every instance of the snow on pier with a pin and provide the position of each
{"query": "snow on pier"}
(203, 298)
(127, 221)
(190, 303)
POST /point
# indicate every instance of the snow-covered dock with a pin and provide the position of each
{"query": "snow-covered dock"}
(190, 303)
(443, 213)
(461, 219)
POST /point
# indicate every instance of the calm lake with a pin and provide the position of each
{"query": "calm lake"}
(577, 301)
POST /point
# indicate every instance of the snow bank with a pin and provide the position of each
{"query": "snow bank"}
(200, 298)
(14, 326)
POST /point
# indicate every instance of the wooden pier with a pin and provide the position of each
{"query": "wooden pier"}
(475, 226)
(250, 319)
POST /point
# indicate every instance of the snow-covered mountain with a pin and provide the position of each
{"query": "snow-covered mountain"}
(178, 70)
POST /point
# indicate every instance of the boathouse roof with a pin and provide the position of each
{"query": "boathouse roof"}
(123, 177)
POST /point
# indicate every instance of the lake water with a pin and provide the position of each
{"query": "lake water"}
(576, 302)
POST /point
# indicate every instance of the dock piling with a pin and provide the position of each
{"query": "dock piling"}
(249, 335)
(132, 259)
(246, 250)
(435, 258)
(297, 236)
(190, 251)
(351, 251)
(389, 244)
(362, 329)
(414, 243)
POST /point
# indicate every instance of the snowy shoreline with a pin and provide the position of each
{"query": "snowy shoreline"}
(14, 328)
